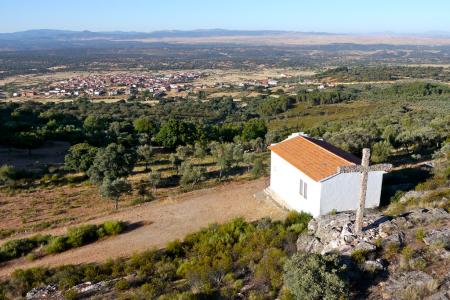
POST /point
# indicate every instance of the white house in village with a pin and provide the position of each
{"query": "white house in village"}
(305, 176)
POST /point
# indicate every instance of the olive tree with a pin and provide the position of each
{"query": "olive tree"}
(191, 174)
(113, 189)
(154, 179)
(145, 153)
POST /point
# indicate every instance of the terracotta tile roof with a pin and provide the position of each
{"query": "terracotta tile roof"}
(315, 158)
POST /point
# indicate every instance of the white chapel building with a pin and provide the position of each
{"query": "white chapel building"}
(304, 176)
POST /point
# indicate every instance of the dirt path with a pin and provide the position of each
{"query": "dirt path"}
(164, 221)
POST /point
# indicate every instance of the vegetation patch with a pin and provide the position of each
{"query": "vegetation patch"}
(75, 237)
(215, 262)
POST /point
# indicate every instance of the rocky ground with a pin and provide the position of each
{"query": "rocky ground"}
(403, 257)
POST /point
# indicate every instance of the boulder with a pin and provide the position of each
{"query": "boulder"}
(426, 216)
(401, 281)
(396, 239)
(47, 292)
(438, 237)
(365, 246)
(373, 266)
(309, 243)
(412, 195)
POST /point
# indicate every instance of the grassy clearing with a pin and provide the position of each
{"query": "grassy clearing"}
(304, 116)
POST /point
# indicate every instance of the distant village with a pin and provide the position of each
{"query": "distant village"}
(115, 84)
(153, 85)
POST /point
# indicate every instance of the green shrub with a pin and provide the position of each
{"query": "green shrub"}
(295, 217)
(122, 285)
(269, 270)
(359, 256)
(17, 248)
(297, 228)
(420, 234)
(174, 249)
(419, 264)
(391, 250)
(82, 235)
(57, 244)
(24, 280)
(113, 227)
(70, 295)
(312, 276)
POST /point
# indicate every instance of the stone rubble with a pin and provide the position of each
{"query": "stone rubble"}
(47, 292)
(335, 233)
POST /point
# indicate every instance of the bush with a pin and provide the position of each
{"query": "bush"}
(295, 217)
(56, 245)
(312, 276)
(82, 235)
(8, 175)
(17, 248)
(420, 234)
(122, 285)
(113, 227)
(24, 280)
(359, 256)
(70, 295)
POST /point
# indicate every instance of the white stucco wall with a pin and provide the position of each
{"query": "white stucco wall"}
(285, 184)
(341, 192)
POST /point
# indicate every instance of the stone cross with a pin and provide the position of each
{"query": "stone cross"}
(364, 169)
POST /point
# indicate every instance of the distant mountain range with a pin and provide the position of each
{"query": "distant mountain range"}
(40, 39)
(68, 34)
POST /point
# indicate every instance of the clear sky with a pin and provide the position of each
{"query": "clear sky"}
(312, 15)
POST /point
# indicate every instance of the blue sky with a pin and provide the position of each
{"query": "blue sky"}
(139, 15)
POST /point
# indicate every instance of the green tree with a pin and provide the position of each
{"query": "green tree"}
(145, 153)
(313, 276)
(154, 179)
(381, 151)
(223, 154)
(249, 158)
(80, 157)
(175, 161)
(113, 189)
(95, 123)
(254, 128)
(190, 174)
(174, 133)
(238, 153)
(112, 162)
(146, 127)
(258, 168)
(183, 152)
(199, 150)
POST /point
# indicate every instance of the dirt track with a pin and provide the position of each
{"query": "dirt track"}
(164, 221)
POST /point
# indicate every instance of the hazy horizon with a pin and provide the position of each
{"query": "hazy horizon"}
(351, 17)
(387, 32)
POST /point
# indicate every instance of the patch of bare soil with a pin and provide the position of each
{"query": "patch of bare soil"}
(31, 211)
(51, 153)
(163, 221)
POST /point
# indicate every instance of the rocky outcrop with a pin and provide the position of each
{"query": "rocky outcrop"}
(85, 289)
(397, 286)
(335, 233)
(47, 292)
(439, 237)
